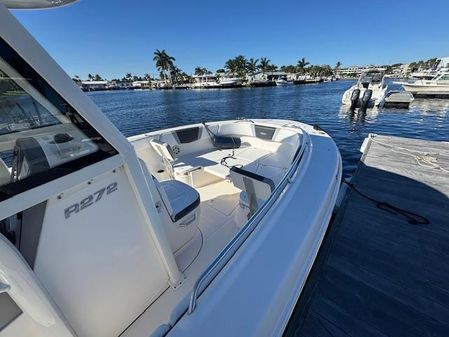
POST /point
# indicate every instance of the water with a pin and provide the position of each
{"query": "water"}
(135, 112)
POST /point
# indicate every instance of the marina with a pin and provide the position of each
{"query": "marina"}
(381, 270)
(272, 198)
(140, 111)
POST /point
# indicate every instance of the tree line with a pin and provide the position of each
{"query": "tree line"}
(238, 66)
(242, 67)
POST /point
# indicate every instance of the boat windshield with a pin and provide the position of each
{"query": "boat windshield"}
(41, 135)
(371, 77)
(441, 77)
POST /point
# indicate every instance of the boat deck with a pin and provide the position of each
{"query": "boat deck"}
(376, 274)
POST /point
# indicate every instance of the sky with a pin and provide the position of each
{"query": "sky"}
(114, 37)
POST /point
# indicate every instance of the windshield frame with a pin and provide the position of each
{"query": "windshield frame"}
(41, 86)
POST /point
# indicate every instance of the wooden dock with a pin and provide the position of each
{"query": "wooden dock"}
(376, 274)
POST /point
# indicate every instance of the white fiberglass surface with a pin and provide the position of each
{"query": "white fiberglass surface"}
(217, 226)
(221, 213)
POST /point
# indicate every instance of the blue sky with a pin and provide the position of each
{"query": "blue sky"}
(112, 37)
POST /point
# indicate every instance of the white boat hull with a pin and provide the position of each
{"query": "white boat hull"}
(127, 232)
(377, 98)
(267, 276)
(427, 90)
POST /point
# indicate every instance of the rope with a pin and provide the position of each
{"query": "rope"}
(412, 218)
(424, 159)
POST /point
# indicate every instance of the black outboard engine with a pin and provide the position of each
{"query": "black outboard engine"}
(366, 98)
(354, 98)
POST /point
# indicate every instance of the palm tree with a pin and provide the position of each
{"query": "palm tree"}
(90, 77)
(237, 66)
(175, 75)
(289, 68)
(164, 63)
(265, 65)
(302, 64)
(231, 66)
(202, 71)
(128, 77)
(338, 65)
(251, 66)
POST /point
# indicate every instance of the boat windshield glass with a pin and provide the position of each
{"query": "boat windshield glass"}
(371, 77)
(42, 137)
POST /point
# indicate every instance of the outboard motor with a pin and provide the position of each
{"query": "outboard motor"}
(354, 98)
(366, 98)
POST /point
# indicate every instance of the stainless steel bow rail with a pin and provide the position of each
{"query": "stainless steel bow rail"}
(231, 248)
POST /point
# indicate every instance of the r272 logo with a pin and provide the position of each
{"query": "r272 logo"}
(90, 200)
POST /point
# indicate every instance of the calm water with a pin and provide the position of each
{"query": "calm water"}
(135, 112)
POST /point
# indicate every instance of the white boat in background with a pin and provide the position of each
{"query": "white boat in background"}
(283, 82)
(369, 91)
(423, 75)
(206, 81)
(230, 82)
(199, 230)
(438, 87)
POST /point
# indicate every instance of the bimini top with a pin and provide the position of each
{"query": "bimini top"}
(35, 4)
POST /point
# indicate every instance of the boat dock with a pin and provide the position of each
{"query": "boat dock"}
(376, 273)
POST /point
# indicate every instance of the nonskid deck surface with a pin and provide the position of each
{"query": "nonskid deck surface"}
(217, 215)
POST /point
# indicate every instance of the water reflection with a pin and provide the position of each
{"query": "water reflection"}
(438, 107)
(358, 116)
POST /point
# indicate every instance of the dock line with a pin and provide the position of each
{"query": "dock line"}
(412, 218)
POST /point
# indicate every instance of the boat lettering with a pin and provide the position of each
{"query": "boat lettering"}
(90, 200)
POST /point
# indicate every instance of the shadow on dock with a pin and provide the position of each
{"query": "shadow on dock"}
(376, 274)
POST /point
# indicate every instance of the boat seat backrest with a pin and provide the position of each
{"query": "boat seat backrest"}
(166, 153)
(257, 188)
(239, 128)
(164, 150)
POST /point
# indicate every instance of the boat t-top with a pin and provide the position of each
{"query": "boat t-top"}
(438, 87)
(369, 91)
(207, 229)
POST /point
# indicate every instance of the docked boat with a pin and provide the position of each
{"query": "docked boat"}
(369, 91)
(206, 81)
(230, 82)
(438, 87)
(283, 82)
(262, 83)
(423, 75)
(176, 232)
